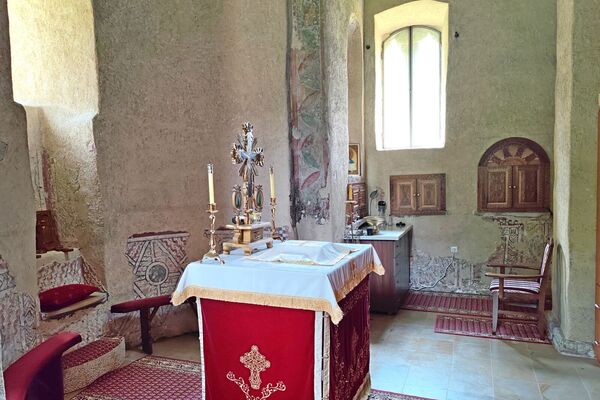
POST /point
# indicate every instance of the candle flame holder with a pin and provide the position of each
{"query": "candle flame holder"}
(212, 253)
(274, 234)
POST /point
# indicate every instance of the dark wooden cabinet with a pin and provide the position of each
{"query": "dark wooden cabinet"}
(514, 175)
(418, 194)
(388, 291)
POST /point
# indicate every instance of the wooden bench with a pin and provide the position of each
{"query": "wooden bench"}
(148, 307)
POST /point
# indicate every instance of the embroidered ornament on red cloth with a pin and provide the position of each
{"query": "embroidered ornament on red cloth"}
(64, 296)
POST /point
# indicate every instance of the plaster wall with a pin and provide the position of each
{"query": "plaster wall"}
(17, 210)
(54, 76)
(177, 79)
(577, 88)
(500, 83)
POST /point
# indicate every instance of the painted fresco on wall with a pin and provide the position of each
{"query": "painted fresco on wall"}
(157, 260)
(520, 240)
(19, 318)
(308, 136)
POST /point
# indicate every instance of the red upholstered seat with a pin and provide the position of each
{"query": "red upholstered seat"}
(38, 374)
(516, 286)
(136, 305)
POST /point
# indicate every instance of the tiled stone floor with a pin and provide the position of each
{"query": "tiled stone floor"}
(408, 357)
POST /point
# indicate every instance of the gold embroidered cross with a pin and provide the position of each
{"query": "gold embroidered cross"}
(256, 363)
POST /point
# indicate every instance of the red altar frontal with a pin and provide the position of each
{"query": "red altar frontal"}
(271, 342)
(256, 352)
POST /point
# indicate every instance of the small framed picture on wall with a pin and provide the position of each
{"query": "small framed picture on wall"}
(354, 159)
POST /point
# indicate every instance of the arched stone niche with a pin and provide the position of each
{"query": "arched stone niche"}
(514, 176)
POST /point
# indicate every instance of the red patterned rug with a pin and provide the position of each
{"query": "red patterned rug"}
(461, 304)
(158, 378)
(521, 331)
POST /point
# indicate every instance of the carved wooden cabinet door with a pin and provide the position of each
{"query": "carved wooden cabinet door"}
(514, 176)
(528, 187)
(418, 194)
(403, 195)
(428, 196)
(496, 187)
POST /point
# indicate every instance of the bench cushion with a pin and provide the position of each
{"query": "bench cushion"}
(136, 305)
(516, 286)
(64, 296)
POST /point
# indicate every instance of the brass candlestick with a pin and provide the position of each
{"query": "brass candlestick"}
(274, 233)
(212, 252)
(352, 214)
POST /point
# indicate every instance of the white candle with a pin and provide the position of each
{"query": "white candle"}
(211, 186)
(272, 181)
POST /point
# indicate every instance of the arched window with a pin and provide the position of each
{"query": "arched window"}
(514, 175)
(412, 82)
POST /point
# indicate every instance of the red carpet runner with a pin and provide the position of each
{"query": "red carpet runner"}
(157, 378)
(460, 304)
(482, 327)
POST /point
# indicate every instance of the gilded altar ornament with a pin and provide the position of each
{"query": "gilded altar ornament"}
(212, 253)
(256, 363)
(247, 199)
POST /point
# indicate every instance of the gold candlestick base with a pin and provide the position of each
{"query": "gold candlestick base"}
(274, 233)
(352, 215)
(212, 253)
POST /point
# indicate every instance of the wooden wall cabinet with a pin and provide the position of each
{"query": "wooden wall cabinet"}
(388, 291)
(514, 175)
(418, 194)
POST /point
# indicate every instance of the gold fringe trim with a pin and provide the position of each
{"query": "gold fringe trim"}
(365, 389)
(260, 299)
(358, 278)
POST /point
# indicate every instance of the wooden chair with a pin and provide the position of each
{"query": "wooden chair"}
(511, 288)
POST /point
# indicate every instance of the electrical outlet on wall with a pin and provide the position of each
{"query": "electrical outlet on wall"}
(453, 249)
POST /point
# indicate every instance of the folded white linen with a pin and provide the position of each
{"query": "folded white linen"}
(304, 252)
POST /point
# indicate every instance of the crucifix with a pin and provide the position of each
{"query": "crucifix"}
(247, 198)
(246, 153)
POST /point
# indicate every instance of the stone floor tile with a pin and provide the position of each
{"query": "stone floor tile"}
(430, 392)
(563, 391)
(513, 369)
(514, 389)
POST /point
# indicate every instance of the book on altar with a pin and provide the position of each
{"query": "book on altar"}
(304, 252)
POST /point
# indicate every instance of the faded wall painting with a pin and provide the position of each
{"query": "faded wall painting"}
(308, 135)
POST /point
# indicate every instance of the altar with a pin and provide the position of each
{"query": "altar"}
(283, 330)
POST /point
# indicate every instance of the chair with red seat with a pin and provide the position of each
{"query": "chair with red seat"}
(38, 375)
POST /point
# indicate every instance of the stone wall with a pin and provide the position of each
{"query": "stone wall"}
(18, 280)
(177, 79)
(318, 40)
(577, 88)
(500, 83)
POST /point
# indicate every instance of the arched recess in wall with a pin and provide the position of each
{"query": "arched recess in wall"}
(354, 66)
(55, 78)
(514, 175)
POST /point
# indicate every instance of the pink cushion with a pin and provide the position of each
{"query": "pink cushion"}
(64, 296)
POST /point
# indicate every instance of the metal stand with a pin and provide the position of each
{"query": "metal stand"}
(353, 215)
(212, 253)
(274, 234)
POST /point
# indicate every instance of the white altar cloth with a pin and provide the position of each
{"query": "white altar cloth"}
(307, 287)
